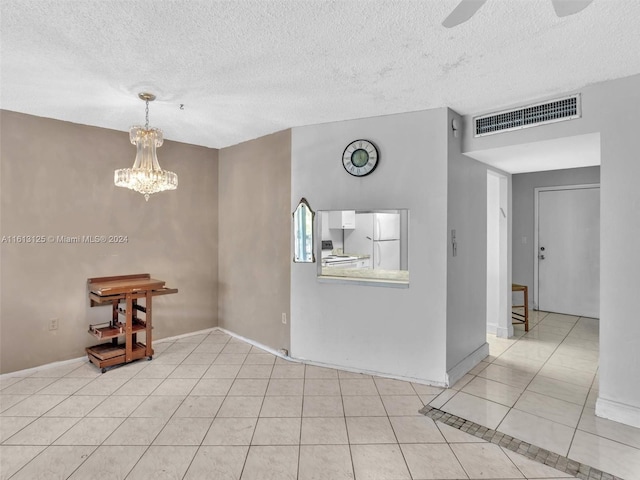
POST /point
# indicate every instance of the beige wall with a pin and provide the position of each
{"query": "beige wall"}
(57, 179)
(255, 234)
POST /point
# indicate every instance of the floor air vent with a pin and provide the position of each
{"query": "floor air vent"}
(538, 114)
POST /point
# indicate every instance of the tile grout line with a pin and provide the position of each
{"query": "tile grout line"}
(344, 416)
(538, 373)
(498, 365)
(181, 403)
(456, 455)
(85, 416)
(529, 383)
(263, 399)
(583, 405)
(72, 426)
(533, 452)
(395, 435)
(539, 370)
(148, 447)
(304, 383)
(111, 395)
(304, 380)
(218, 410)
(129, 416)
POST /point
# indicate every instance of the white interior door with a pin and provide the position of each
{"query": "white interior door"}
(568, 250)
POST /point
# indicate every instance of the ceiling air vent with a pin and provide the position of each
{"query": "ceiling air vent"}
(559, 110)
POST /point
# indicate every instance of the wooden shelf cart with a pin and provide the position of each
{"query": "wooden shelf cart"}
(125, 290)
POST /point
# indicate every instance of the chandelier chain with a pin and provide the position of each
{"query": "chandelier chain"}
(146, 111)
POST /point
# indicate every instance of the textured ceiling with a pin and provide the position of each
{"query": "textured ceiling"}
(244, 69)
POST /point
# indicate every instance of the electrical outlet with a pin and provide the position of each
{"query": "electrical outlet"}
(53, 324)
(284, 318)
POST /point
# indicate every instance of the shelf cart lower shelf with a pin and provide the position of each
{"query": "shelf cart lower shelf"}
(107, 354)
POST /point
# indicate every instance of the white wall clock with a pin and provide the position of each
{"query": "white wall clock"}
(360, 158)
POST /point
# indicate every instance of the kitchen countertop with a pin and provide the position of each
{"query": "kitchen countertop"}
(367, 274)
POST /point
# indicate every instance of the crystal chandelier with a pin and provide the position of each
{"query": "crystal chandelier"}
(146, 176)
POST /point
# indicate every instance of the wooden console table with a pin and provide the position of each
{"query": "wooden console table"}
(521, 318)
(125, 289)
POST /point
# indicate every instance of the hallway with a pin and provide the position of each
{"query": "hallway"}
(541, 388)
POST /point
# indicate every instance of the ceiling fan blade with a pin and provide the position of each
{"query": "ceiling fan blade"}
(564, 8)
(463, 12)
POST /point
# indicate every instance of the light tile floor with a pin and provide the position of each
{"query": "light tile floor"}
(541, 387)
(210, 406)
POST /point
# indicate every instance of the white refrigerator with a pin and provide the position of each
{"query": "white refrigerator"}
(376, 235)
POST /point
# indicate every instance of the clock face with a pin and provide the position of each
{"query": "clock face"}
(360, 158)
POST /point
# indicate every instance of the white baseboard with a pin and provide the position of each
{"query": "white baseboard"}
(494, 329)
(47, 366)
(30, 371)
(330, 365)
(463, 367)
(618, 412)
(185, 335)
(259, 345)
(502, 332)
(422, 381)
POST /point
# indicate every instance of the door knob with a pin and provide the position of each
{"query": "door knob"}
(542, 249)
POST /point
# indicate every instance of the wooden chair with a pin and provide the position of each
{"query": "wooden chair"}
(518, 318)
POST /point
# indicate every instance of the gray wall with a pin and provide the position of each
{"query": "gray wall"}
(394, 331)
(466, 272)
(255, 233)
(57, 179)
(610, 108)
(523, 214)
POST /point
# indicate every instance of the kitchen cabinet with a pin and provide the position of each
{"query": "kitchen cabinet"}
(363, 263)
(359, 263)
(122, 294)
(348, 262)
(342, 219)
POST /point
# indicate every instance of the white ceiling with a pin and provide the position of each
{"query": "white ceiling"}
(566, 152)
(244, 69)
